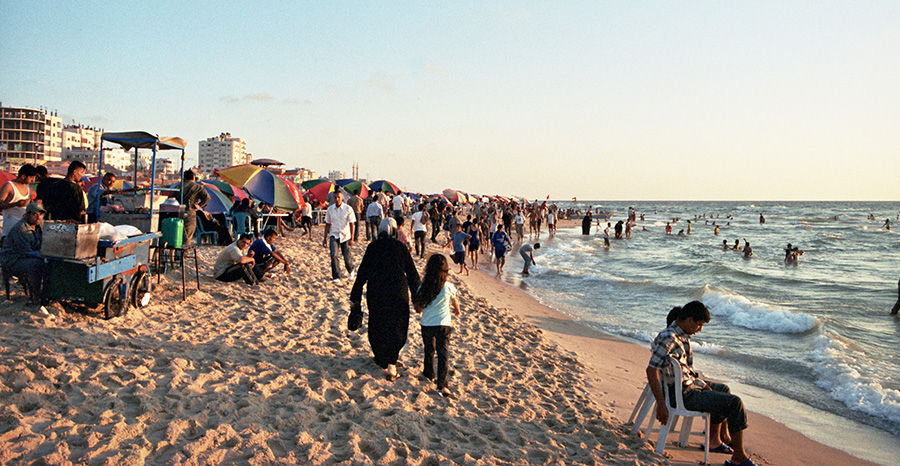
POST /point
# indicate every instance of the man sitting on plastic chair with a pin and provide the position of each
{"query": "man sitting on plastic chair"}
(698, 394)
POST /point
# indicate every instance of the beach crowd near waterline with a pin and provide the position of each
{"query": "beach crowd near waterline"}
(269, 374)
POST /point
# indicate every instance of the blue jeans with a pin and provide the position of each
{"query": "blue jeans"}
(345, 251)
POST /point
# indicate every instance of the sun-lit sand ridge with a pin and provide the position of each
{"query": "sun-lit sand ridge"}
(270, 375)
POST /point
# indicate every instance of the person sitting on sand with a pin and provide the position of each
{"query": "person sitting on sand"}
(527, 253)
(458, 238)
(232, 264)
(434, 299)
(265, 254)
(500, 241)
(698, 394)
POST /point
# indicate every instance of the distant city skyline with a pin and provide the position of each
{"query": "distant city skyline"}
(600, 100)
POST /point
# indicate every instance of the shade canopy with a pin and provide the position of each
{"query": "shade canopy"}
(266, 162)
(144, 140)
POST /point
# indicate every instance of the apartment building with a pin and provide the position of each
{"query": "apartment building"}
(220, 152)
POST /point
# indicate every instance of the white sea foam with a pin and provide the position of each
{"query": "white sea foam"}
(837, 368)
(705, 347)
(753, 315)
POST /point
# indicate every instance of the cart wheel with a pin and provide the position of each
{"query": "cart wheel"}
(139, 293)
(113, 301)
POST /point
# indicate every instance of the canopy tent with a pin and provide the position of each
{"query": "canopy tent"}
(143, 140)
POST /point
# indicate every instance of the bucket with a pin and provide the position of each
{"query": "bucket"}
(172, 231)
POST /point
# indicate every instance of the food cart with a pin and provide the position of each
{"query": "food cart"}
(114, 273)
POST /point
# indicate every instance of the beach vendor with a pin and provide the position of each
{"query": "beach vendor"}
(65, 199)
(21, 252)
(103, 188)
(698, 394)
(15, 196)
(194, 197)
(232, 264)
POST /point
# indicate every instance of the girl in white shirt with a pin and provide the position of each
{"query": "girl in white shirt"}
(434, 300)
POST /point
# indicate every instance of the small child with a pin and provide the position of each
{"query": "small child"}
(434, 299)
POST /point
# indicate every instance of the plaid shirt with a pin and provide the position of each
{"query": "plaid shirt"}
(675, 343)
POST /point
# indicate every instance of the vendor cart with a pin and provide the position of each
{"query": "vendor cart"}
(115, 277)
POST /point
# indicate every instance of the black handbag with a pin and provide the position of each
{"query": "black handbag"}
(355, 319)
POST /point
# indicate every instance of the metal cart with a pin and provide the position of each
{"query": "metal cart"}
(117, 277)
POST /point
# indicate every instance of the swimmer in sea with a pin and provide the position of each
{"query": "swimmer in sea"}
(897, 304)
(737, 245)
(887, 224)
(748, 251)
(725, 245)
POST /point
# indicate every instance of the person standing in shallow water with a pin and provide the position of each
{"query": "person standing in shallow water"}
(586, 223)
(897, 304)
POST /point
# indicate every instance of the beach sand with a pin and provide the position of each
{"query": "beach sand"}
(270, 375)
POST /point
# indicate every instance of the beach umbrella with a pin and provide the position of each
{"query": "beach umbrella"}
(6, 176)
(295, 190)
(273, 190)
(309, 184)
(320, 191)
(227, 189)
(218, 201)
(266, 162)
(239, 175)
(385, 186)
(351, 185)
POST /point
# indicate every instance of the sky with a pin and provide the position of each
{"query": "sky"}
(609, 100)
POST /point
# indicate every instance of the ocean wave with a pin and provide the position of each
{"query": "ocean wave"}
(755, 316)
(834, 367)
(706, 347)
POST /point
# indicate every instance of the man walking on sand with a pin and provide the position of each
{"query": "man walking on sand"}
(698, 394)
(338, 220)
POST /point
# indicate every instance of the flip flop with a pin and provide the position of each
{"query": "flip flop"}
(749, 462)
(722, 449)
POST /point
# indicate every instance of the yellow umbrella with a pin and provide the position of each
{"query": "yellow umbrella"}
(238, 175)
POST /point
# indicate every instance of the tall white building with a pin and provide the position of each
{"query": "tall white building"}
(334, 175)
(220, 152)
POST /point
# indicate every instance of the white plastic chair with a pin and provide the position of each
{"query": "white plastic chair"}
(646, 404)
(680, 412)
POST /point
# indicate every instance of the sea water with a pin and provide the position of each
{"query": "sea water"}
(817, 335)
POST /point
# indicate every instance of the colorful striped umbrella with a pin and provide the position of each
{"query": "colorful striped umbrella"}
(320, 191)
(218, 201)
(309, 184)
(351, 185)
(385, 186)
(264, 186)
(227, 189)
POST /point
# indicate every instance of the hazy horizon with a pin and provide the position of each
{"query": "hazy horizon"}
(633, 100)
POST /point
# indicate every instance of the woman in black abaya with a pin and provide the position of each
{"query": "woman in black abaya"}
(388, 269)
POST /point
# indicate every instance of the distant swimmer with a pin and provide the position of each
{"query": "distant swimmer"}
(737, 245)
(716, 231)
(681, 232)
(725, 245)
(887, 224)
(789, 254)
(761, 218)
(748, 251)
(668, 228)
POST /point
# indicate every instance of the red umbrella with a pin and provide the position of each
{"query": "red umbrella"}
(320, 191)
(6, 176)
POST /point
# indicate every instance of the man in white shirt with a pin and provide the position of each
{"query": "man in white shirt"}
(398, 206)
(338, 220)
(419, 228)
(374, 213)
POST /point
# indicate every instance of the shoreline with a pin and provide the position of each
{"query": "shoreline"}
(616, 376)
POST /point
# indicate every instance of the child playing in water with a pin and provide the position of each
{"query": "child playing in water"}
(434, 300)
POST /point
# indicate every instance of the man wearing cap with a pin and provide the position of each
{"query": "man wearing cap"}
(20, 255)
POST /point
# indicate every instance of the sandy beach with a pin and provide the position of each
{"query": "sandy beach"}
(270, 375)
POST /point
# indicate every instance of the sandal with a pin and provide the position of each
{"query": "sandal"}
(722, 449)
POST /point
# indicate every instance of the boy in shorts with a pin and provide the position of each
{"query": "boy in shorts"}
(500, 240)
(457, 237)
